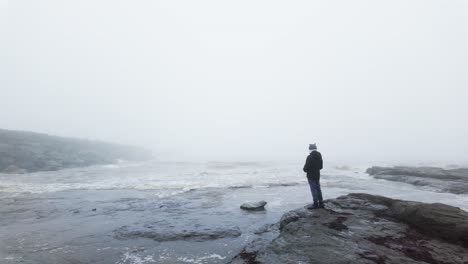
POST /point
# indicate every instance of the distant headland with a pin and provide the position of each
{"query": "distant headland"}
(23, 152)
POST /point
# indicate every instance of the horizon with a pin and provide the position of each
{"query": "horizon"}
(332, 164)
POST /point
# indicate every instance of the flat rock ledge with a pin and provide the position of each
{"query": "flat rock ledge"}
(257, 206)
(363, 228)
(444, 180)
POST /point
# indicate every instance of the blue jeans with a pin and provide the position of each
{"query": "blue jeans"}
(316, 191)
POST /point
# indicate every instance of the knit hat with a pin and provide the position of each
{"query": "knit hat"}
(313, 146)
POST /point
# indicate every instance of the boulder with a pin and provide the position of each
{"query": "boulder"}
(256, 206)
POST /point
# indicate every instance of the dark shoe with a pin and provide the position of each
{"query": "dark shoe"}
(313, 207)
(321, 205)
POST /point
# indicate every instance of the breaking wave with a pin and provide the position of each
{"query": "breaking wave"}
(168, 178)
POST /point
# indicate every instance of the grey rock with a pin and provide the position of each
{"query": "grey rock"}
(429, 172)
(265, 228)
(291, 217)
(445, 180)
(363, 228)
(257, 206)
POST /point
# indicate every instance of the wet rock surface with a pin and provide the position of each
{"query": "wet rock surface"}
(445, 180)
(363, 228)
(162, 234)
(256, 206)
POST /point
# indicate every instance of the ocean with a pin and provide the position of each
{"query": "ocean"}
(165, 212)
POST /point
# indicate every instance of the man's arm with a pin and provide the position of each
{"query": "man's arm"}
(320, 161)
(307, 164)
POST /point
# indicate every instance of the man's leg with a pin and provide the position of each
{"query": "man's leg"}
(313, 190)
(319, 195)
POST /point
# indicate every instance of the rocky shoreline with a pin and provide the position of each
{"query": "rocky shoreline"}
(444, 180)
(364, 228)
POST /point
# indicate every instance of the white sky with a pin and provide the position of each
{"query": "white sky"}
(366, 80)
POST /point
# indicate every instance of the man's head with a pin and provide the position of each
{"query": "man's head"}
(312, 147)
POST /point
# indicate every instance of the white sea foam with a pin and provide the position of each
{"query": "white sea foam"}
(166, 179)
(200, 260)
(152, 176)
(134, 258)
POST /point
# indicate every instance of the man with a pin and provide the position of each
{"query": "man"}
(312, 167)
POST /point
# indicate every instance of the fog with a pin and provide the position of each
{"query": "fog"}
(245, 80)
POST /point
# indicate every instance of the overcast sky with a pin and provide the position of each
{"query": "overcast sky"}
(366, 80)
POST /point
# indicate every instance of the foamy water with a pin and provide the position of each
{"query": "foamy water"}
(170, 178)
(152, 176)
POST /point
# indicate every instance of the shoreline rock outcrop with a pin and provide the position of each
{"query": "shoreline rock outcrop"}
(445, 180)
(363, 228)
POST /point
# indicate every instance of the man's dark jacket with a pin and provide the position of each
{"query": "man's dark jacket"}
(313, 165)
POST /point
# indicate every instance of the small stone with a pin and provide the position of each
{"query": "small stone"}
(257, 206)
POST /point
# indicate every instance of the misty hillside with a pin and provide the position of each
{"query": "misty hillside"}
(22, 152)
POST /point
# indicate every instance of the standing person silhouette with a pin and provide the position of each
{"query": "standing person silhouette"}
(313, 165)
